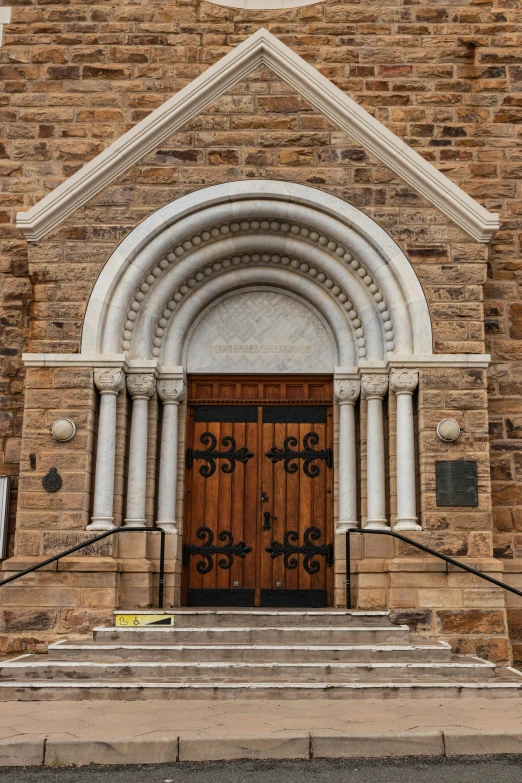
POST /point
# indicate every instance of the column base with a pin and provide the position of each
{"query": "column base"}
(409, 523)
(135, 523)
(101, 524)
(342, 527)
(169, 527)
(377, 524)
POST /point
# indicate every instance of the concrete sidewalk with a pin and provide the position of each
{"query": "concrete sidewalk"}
(117, 732)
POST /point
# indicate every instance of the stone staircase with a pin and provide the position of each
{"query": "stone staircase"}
(227, 653)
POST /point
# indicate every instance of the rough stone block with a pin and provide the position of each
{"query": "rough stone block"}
(443, 597)
(98, 597)
(402, 597)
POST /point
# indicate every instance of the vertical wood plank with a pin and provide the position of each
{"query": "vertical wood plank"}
(267, 485)
(293, 481)
(306, 510)
(279, 525)
(248, 502)
(223, 520)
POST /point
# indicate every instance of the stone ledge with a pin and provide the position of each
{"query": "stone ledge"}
(488, 565)
(15, 564)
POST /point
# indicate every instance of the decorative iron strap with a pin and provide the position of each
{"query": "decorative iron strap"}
(289, 550)
(307, 453)
(207, 549)
(210, 455)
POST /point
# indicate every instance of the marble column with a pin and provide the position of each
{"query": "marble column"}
(347, 393)
(403, 383)
(373, 388)
(171, 392)
(109, 382)
(141, 388)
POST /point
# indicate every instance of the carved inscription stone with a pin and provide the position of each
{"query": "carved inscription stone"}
(261, 331)
(55, 542)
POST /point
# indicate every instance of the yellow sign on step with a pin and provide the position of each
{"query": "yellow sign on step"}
(132, 620)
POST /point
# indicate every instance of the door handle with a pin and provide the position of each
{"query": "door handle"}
(267, 517)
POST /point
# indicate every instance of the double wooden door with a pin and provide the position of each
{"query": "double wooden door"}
(259, 522)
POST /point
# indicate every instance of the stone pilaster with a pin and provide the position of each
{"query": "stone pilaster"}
(109, 382)
(403, 384)
(374, 388)
(141, 387)
(172, 393)
(346, 394)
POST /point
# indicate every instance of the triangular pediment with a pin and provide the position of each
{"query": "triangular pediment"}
(260, 49)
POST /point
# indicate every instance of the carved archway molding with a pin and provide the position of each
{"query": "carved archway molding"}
(170, 267)
(278, 234)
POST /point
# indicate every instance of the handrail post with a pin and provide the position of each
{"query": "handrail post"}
(348, 572)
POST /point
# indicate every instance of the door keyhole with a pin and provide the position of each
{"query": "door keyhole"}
(267, 517)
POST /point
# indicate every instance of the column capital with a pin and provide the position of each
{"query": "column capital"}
(374, 386)
(171, 390)
(109, 380)
(347, 391)
(404, 381)
(141, 387)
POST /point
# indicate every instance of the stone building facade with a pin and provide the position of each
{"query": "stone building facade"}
(258, 157)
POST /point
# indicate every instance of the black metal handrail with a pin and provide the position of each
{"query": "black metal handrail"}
(451, 560)
(105, 534)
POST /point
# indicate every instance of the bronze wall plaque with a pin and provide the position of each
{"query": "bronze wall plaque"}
(457, 483)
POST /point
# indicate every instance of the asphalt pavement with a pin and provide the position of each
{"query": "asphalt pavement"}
(480, 769)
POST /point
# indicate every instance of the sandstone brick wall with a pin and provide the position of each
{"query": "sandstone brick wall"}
(446, 78)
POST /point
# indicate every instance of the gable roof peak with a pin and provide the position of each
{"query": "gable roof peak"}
(261, 48)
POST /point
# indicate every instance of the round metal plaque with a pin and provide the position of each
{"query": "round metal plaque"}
(53, 481)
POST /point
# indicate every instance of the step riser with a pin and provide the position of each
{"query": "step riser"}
(223, 655)
(230, 673)
(255, 636)
(48, 693)
(255, 655)
(343, 620)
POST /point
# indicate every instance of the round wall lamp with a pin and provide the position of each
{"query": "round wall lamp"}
(448, 430)
(63, 430)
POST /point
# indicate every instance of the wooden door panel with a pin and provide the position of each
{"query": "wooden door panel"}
(221, 493)
(300, 466)
(234, 424)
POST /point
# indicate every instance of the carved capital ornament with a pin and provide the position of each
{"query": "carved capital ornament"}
(374, 386)
(347, 391)
(171, 390)
(141, 386)
(109, 380)
(404, 381)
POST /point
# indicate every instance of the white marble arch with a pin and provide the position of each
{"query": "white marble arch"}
(360, 303)
(332, 251)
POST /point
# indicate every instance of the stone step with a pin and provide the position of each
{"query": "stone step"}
(252, 635)
(95, 651)
(34, 668)
(197, 618)
(40, 690)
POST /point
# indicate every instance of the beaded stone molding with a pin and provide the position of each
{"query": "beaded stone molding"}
(209, 270)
